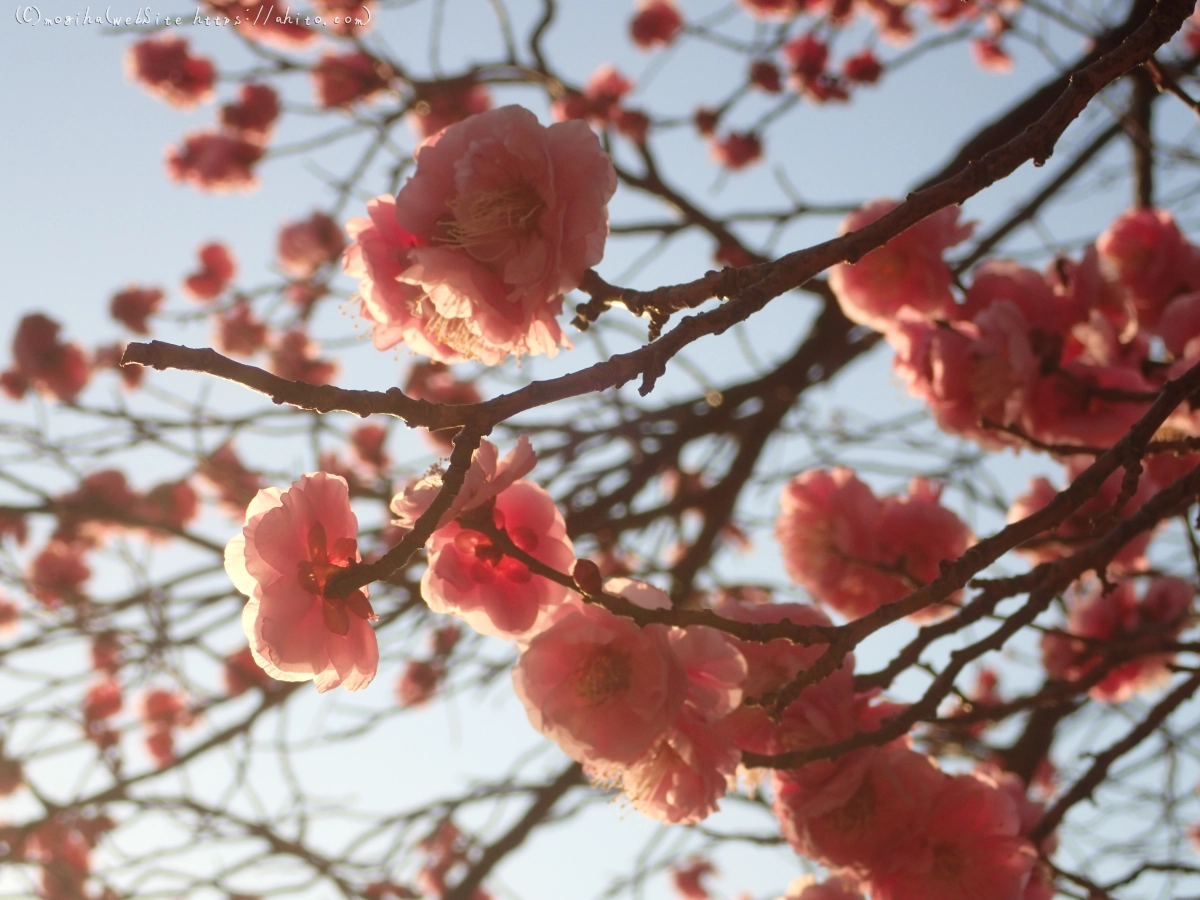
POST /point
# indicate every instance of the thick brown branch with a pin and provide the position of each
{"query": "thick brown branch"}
(323, 398)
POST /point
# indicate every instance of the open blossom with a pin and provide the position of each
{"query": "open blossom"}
(10, 615)
(1120, 621)
(855, 552)
(600, 100)
(217, 270)
(599, 686)
(507, 215)
(293, 542)
(400, 312)
(862, 811)
(103, 700)
(264, 23)
(906, 271)
(768, 666)
(132, 306)
(166, 69)
(470, 575)
(683, 776)
(970, 847)
(862, 68)
(212, 161)
(807, 58)
(1149, 254)
(487, 477)
(969, 371)
(1180, 326)
(681, 779)
(234, 484)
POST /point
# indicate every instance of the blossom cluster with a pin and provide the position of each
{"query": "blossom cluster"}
(1071, 356)
(471, 259)
(657, 710)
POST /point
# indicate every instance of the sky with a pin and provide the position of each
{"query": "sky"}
(88, 210)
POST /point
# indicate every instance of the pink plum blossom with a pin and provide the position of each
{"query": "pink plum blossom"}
(906, 271)
(680, 780)
(292, 543)
(485, 479)
(684, 775)
(886, 796)
(58, 572)
(862, 68)
(399, 312)
(1066, 407)
(603, 689)
(768, 666)
(1148, 253)
(418, 682)
(507, 215)
(970, 846)
(472, 577)
(855, 552)
(296, 357)
(238, 332)
(772, 10)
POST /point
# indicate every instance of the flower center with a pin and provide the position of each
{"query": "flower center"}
(485, 222)
(323, 560)
(602, 675)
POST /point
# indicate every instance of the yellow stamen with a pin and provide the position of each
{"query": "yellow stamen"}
(489, 218)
